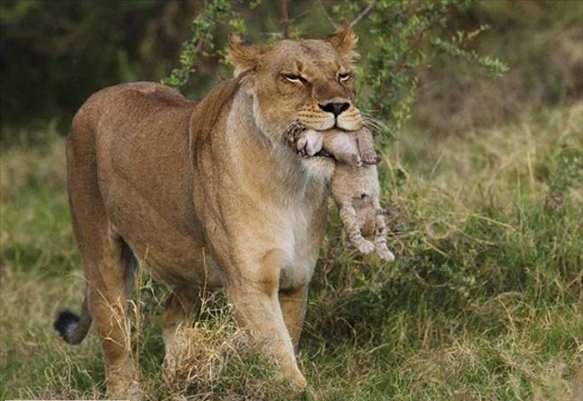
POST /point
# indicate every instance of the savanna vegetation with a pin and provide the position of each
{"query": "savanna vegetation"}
(484, 185)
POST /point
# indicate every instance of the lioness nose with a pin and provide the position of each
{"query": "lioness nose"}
(335, 107)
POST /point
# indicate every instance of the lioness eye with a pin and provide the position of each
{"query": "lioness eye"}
(345, 76)
(294, 78)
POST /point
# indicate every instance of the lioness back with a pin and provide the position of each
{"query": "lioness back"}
(138, 134)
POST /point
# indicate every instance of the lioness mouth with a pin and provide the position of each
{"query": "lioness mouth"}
(323, 153)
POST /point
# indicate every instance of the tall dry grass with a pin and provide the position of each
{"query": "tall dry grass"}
(485, 301)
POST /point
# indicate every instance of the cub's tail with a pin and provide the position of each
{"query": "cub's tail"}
(71, 327)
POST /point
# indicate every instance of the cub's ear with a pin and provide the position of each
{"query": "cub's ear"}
(343, 40)
(243, 55)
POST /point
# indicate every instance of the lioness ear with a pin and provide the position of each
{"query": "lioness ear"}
(243, 55)
(343, 40)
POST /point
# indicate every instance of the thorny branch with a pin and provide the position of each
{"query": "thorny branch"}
(326, 13)
(356, 20)
(285, 19)
(413, 42)
(363, 13)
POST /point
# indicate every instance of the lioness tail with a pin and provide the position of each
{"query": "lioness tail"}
(71, 327)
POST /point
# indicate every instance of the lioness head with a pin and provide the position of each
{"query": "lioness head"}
(306, 84)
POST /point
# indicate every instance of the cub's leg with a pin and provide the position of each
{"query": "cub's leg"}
(380, 237)
(365, 142)
(181, 305)
(254, 296)
(293, 303)
(351, 224)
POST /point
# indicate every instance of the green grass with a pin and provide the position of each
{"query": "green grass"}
(485, 301)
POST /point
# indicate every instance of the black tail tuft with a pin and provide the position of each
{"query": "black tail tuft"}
(66, 324)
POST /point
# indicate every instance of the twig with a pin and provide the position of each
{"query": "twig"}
(356, 20)
(285, 19)
(363, 13)
(413, 41)
(326, 13)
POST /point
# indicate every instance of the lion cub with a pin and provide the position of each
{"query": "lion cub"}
(355, 185)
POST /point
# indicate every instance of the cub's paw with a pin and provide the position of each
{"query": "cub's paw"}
(370, 159)
(385, 254)
(301, 146)
(355, 161)
(297, 140)
(309, 142)
(365, 246)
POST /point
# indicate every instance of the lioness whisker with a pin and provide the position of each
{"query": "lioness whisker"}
(374, 123)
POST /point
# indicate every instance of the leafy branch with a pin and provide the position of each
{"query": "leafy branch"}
(214, 13)
(406, 33)
(356, 19)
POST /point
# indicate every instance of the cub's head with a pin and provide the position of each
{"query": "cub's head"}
(296, 85)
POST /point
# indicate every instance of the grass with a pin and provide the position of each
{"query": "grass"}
(485, 301)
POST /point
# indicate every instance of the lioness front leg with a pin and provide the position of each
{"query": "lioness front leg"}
(181, 306)
(256, 307)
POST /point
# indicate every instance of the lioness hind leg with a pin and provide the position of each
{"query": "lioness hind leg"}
(293, 305)
(107, 262)
(107, 302)
(181, 306)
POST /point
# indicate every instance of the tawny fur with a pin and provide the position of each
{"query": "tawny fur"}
(207, 195)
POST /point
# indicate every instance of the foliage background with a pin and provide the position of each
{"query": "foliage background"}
(485, 185)
(54, 55)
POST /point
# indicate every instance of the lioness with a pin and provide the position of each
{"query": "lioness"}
(208, 195)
